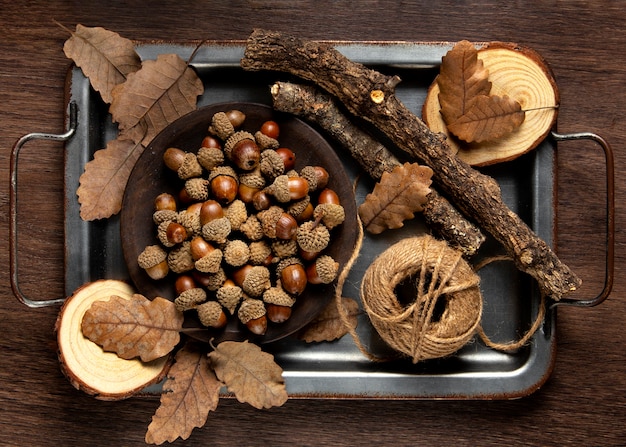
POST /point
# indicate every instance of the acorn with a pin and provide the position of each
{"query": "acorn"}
(245, 155)
(328, 195)
(190, 298)
(292, 275)
(211, 314)
(254, 280)
(288, 157)
(165, 201)
(224, 184)
(173, 158)
(179, 259)
(252, 313)
(153, 259)
(322, 271)
(229, 295)
(184, 282)
(278, 304)
(210, 210)
(276, 223)
(261, 200)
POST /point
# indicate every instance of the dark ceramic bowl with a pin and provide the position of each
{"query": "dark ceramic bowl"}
(150, 177)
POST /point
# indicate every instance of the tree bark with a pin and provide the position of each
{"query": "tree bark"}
(371, 95)
(310, 103)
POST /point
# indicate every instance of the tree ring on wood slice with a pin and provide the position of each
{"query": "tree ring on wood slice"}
(87, 366)
(523, 75)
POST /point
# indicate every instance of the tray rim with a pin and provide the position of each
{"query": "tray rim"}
(226, 53)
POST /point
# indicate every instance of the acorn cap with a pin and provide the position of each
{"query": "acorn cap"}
(190, 167)
(235, 138)
(164, 215)
(197, 188)
(257, 281)
(332, 214)
(297, 208)
(151, 255)
(280, 188)
(285, 248)
(210, 263)
(265, 142)
(286, 263)
(210, 157)
(217, 230)
(236, 253)
(277, 296)
(253, 179)
(210, 313)
(162, 234)
(191, 221)
(252, 228)
(221, 126)
(308, 172)
(312, 236)
(236, 213)
(190, 298)
(251, 309)
(269, 218)
(259, 252)
(326, 268)
(271, 164)
(214, 281)
(179, 259)
(229, 296)
(223, 170)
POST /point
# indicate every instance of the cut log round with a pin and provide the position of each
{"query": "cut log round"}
(521, 74)
(90, 369)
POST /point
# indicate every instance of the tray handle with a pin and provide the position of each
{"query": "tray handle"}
(13, 242)
(610, 219)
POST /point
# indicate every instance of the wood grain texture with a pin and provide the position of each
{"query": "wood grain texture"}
(583, 403)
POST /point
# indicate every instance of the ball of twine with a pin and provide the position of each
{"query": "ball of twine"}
(447, 310)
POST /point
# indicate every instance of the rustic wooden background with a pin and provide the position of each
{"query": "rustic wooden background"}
(584, 401)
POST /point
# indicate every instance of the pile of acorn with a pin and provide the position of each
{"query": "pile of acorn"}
(247, 233)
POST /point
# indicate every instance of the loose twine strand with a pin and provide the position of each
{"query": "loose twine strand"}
(413, 330)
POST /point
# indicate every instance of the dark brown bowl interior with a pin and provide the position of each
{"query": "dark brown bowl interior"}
(150, 177)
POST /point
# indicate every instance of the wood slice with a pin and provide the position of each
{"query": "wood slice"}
(523, 75)
(90, 369)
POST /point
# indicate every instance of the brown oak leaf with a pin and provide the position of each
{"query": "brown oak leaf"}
(190, 392)
(396, 197)
(329, 325)
(135, 327)
(462, 76)
(160, 92)
(488, 118)
(104, 179)
(251, 374)
(105, 57)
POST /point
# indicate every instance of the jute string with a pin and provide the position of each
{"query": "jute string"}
(444, 316)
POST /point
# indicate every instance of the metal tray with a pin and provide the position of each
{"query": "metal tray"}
(338, 369)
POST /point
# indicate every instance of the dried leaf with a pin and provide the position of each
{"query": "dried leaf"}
(153, 97)
(190, 392)
(103, 182)
(396, 197)
(329, 325)
(488, 118)
(133, 328)
(462, 77)
(105, 57)
(251, 374)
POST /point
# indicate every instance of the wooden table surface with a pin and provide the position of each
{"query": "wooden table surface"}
(584, 401)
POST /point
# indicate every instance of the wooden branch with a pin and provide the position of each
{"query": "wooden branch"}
(371, 95)
(310, 103)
